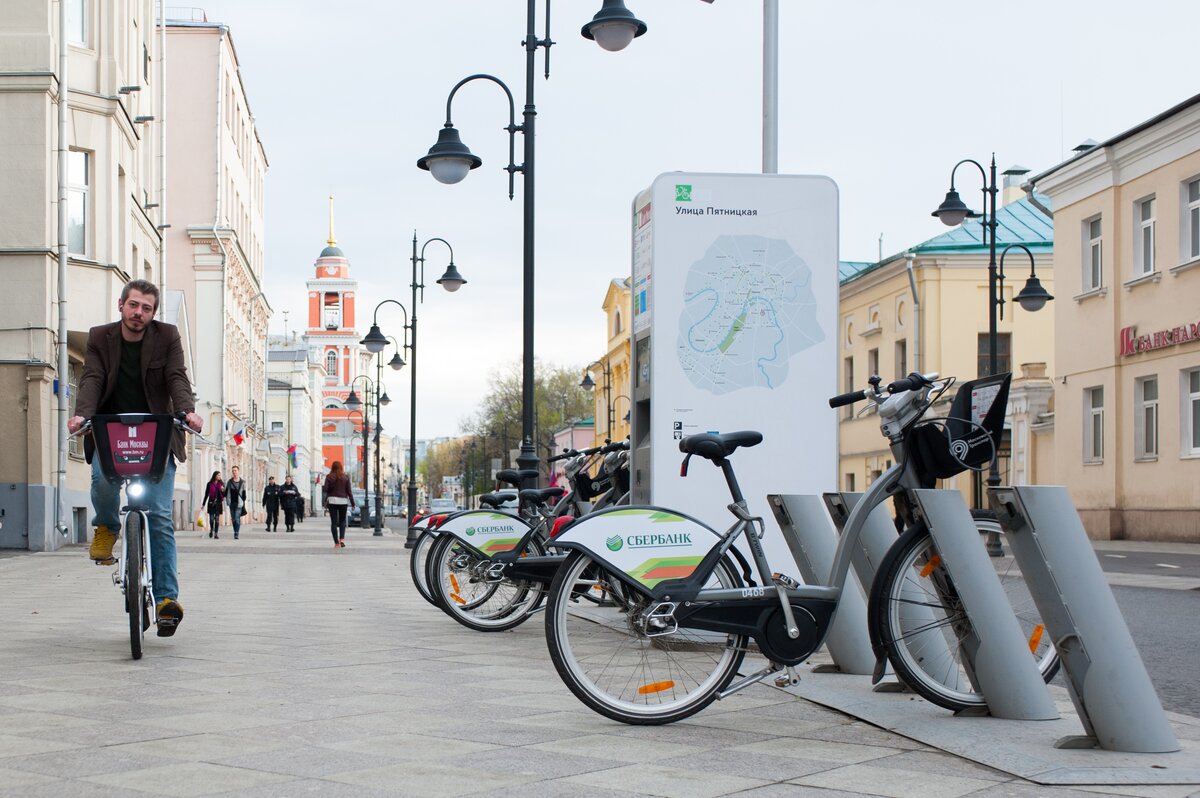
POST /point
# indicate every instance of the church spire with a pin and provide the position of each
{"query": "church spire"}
(332, 241)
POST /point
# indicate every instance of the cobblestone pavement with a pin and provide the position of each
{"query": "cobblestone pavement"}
(304, 670)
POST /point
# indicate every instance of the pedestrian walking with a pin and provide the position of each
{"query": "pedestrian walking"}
(235, 497)
(289, 492)
(337, 498)
(270, 503)
(299, 508)
(214, 501)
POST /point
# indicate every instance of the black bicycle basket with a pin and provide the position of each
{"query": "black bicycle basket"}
(133, 445)
(969, 436)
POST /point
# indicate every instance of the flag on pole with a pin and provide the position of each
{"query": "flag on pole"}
(291, 450)
(239, 437)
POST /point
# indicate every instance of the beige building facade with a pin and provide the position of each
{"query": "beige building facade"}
(216, 179)
(611, 373)
(114, 195)
(1126, 422)
(927, 310)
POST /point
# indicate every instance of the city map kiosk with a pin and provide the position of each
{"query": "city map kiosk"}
(735, 296)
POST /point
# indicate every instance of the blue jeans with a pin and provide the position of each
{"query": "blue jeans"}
(235, 517)
(106, 500)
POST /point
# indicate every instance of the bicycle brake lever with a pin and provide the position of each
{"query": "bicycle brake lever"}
(684, 467)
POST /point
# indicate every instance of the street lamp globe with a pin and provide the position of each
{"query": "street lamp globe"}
(1033, 296)
(451, 280)
(953, 210)
(613, 27)
(352, 402)
(384, 400)
(587, 383)
(376, 341)
(449, 160)
(396, 362)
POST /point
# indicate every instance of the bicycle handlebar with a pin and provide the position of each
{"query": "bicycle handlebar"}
(912, 382)
(844, 399)
(612, 446)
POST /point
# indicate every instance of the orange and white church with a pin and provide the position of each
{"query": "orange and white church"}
(331, 334)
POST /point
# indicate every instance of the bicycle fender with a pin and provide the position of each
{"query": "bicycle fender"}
(649, 545)
(489, 532)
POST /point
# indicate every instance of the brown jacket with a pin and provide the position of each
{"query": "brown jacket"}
(337, 486)
(164, 376)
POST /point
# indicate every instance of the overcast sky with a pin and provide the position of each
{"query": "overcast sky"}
(883, 97)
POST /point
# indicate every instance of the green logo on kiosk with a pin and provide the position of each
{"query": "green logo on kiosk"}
(614, 543)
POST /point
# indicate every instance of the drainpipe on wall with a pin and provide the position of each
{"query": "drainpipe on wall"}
(162, 143)
(912, 284)
(224, 252)
(60, 508)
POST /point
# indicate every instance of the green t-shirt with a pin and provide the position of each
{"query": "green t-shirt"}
(129, 395)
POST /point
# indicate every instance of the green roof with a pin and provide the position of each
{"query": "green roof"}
(1019, 222)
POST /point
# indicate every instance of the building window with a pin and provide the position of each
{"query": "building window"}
(1093, 424)
(1093, 255)
(848, 384)
(1003, 354)
(617, 323)
(901, 359)
(1146, 424)
(850, 483)
(1191, 222)
(333, 310)
(78, 180)
(1191, 413)
(77, 32)
(74, 371)
(276, 426)
(872, 362)
(331, 363)
(1143, 240)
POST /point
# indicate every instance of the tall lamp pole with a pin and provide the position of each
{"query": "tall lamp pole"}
(449, 161)
(1033, 297)
(353, 403)
(375, 343)
(589, 384)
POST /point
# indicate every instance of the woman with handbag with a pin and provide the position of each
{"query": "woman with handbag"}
(214, 501)
(235, 497)
(337, 498)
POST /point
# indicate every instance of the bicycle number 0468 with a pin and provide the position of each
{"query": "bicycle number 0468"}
(753, 592)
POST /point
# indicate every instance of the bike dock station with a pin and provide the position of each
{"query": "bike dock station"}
(1127, 737)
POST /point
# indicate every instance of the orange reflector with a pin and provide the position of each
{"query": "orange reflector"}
(1036, 637)
(655, 687)
(458, 598)
(453, 583)
(934, 562)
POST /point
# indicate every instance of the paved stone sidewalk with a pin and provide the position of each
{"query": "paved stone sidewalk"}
(304, 670)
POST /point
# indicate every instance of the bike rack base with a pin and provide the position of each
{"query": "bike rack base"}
(812, 541)
(1106, 678)
(996, 654)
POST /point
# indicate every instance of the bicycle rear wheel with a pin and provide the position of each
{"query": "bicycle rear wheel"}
(606, 658)
(135, 594)
(921, 622)
(459, 582)
(416, 564)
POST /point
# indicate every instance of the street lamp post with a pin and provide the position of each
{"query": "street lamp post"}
(375, 343)
(1032, 297)
(588, 384)
(449, 161)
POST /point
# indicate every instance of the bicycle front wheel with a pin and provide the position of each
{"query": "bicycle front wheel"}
(135, 594)
(608, 660)
(459, 580)
(921, 622)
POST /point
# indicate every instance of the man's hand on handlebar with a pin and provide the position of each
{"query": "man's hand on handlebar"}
(74, 423)
(194, 421)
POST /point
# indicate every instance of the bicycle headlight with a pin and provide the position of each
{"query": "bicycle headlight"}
(135, 490)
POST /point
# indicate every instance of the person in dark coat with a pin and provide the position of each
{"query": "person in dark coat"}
(337, 498)
(270, 502)
(214, 503)
(300, 508)
(289, 492)
(235, 497)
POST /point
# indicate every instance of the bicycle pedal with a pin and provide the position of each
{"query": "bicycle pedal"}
(109, 561)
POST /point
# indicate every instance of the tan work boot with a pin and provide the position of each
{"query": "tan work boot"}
(102, 546)
(169, 613)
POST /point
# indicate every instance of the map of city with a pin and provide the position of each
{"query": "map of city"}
(748, 306)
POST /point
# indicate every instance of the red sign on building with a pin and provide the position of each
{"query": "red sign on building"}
(1132, 344)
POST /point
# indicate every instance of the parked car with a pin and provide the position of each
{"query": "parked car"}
(355, 517)
(443, 506)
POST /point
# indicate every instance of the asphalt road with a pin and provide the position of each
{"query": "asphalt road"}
(1165, 628)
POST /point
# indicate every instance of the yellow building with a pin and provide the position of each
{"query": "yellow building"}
(608, 377)
(1126, 426)
(888, 330)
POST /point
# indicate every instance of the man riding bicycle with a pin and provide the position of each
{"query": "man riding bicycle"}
(136, 365)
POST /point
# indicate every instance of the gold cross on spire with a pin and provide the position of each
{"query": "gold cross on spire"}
(332, 241)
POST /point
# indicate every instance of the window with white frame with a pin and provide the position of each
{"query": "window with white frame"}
(1143, 239)
(1093, 255)
(331, 363)
(77, 31)
(1145, 433)
(1191, 220)
(1093, 424)
(78, 184)
(1190, 407)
